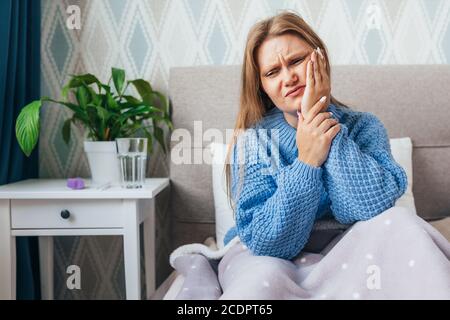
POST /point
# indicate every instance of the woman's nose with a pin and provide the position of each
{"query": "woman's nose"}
(290, 77)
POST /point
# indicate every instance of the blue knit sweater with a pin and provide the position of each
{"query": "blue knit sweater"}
(280, 197)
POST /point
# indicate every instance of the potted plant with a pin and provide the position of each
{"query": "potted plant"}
(107, 113)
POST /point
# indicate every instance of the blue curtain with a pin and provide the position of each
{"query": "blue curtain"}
(19, 85)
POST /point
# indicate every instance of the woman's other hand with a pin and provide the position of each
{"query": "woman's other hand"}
(315, 132)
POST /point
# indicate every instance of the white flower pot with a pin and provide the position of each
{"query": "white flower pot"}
(103, 162)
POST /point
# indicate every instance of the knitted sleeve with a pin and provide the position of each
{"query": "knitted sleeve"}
(360, 174)
(275, 208)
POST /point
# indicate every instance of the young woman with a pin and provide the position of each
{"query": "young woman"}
(329, 159)
(299, 155)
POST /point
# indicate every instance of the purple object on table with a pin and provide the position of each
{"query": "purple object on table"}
(75, 183)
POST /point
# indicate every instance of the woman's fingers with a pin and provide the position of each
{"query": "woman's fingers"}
(326, 125)
(309, 74)
(324, 83)
(322, 65)
(316, 62)
(315, 110)
(320, 118)
(317, 75)
(333, 131)
(321, 54)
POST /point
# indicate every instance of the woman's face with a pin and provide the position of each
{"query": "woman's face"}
(282, 62)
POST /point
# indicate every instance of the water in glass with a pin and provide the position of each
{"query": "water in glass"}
(132, 153)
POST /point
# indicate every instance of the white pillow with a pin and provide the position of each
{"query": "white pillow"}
(223, 211)
(401, 149)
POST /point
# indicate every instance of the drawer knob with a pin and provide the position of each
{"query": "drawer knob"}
(65, 214)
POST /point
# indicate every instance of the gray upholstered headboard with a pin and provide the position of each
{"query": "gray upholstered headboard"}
(411, 101)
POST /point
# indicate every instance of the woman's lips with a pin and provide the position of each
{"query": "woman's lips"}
(297, 92)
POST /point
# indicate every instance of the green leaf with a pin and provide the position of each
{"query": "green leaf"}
(118, 76)
(144, 88)
(107, 88)
(130, 129)
(159, 135)
(149, 137)
(76, 119)
(154, 117)
(92, 116)
(66, 130)
(27, 127)
(132, 100)
(163, 100)
(112, 103)
(95, 98)
(75, 108)
(65, 92)
(169, 123)
(116, 130)
(86, 79)
(149, 141)
(82, 97)
(103, 114)
(140, 110)
(78, 81)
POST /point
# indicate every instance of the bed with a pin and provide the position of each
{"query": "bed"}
(411, 100)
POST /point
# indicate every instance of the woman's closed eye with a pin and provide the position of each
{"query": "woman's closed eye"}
(297, 61)
(271, 73)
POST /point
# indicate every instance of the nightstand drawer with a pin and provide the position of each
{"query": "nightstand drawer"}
(66, 214)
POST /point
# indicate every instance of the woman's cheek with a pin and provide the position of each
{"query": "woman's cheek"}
(302, 73)
(274, 90)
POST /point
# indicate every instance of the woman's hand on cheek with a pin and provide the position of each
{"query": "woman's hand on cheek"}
(317, 83)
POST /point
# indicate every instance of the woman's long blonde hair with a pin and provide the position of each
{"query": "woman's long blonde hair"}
(254, 102)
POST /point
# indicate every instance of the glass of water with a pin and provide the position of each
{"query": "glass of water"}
(132, 153)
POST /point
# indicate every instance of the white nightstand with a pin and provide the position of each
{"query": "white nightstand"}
(47, 208)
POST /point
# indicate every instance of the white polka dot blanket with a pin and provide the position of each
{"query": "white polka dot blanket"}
(396, 255)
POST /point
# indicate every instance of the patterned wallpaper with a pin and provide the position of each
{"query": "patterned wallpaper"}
(148, 37)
